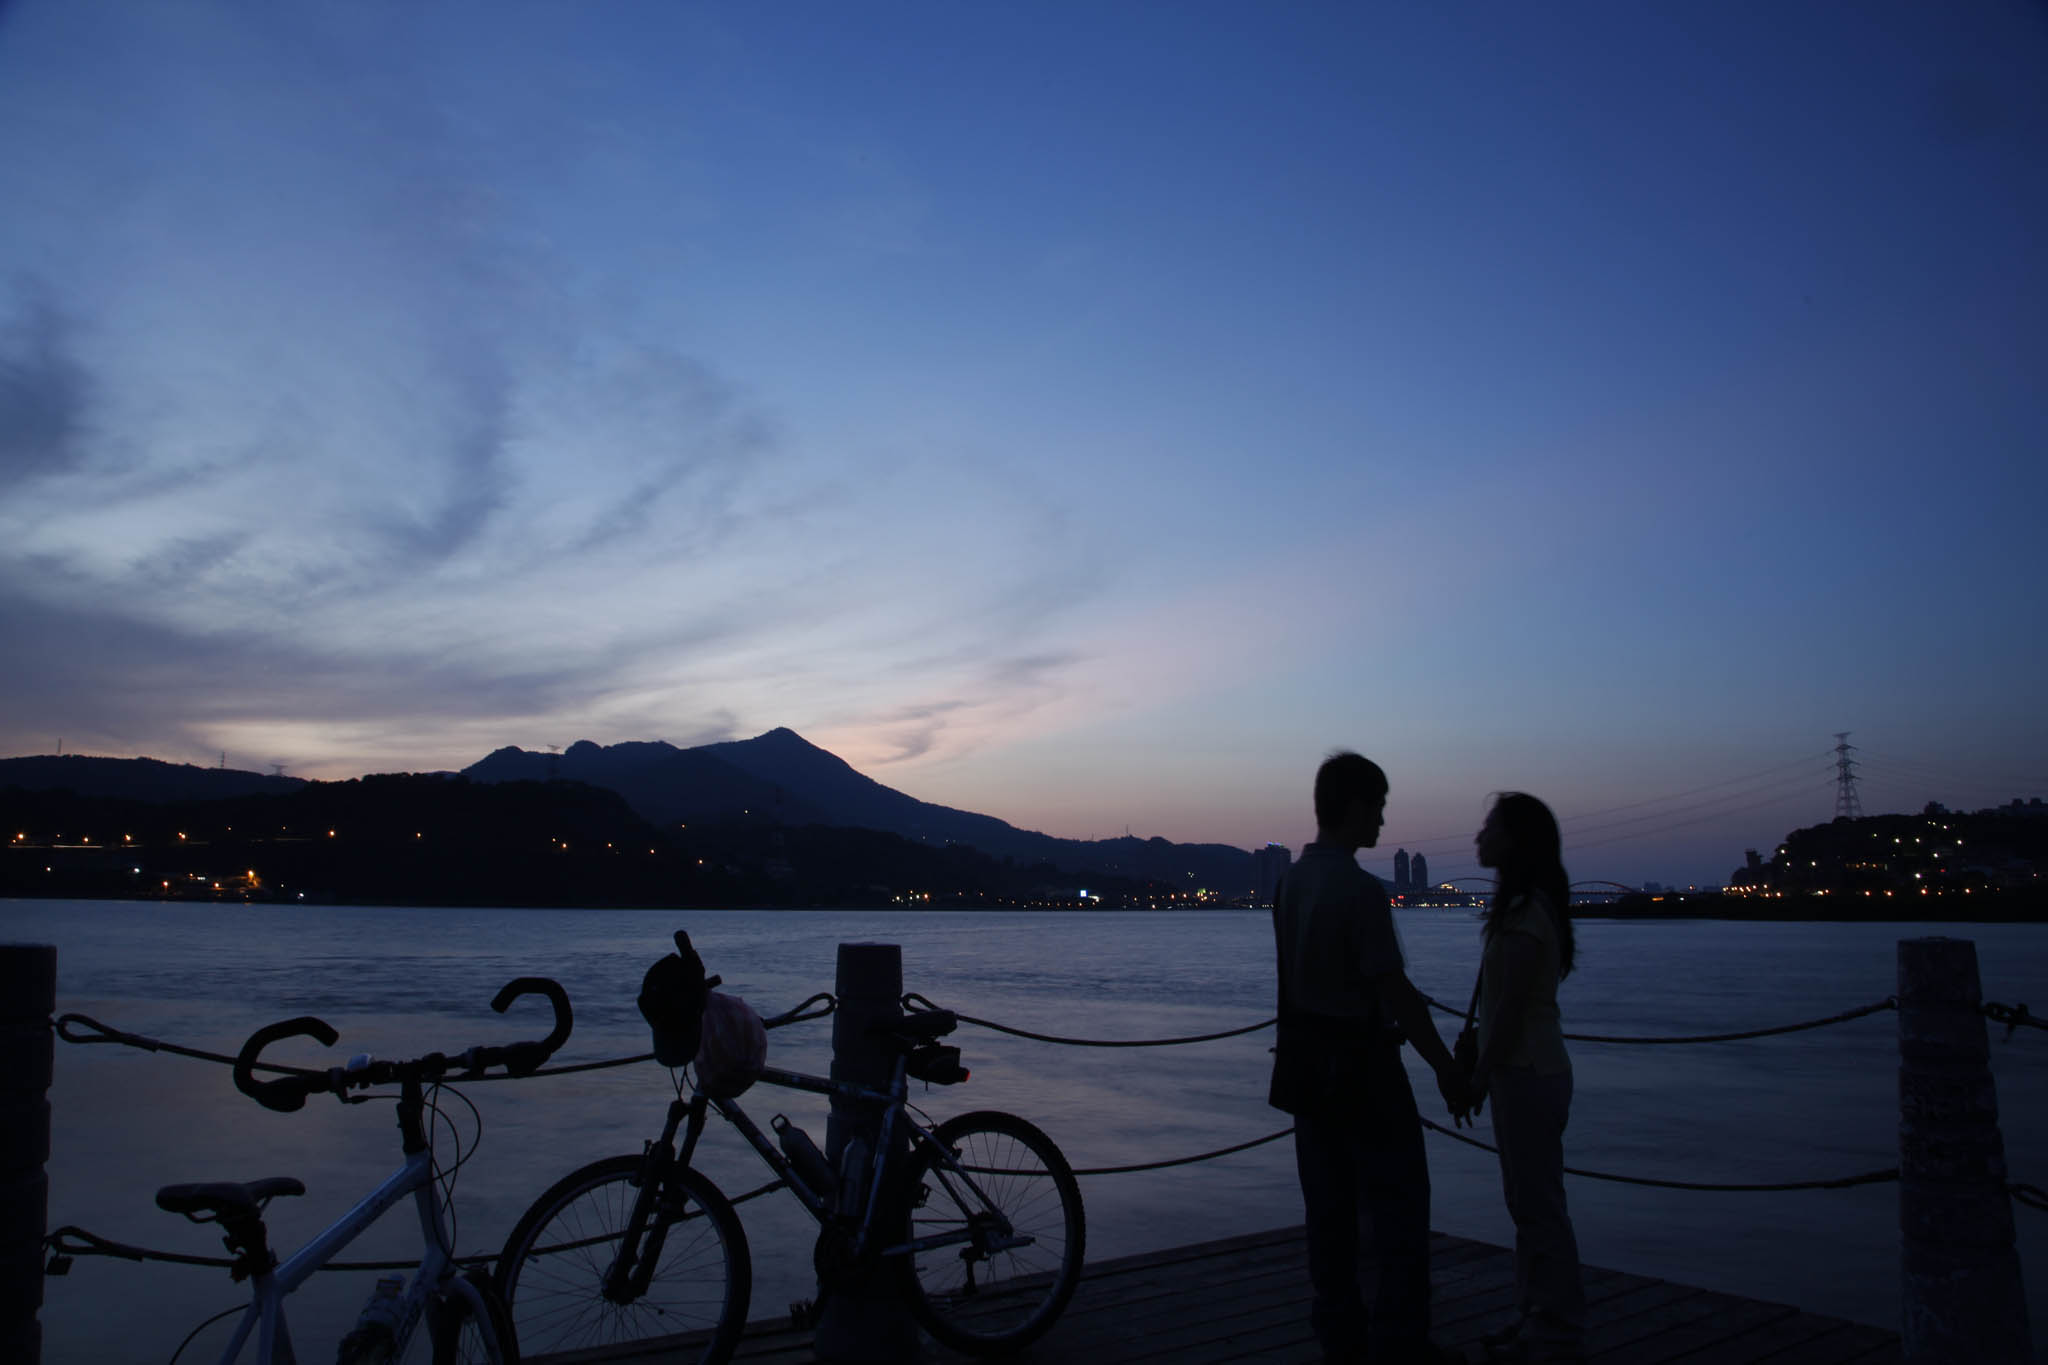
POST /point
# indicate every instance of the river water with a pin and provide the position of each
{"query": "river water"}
(399, 982)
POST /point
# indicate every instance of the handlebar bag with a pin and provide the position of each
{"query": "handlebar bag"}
(734, 1047)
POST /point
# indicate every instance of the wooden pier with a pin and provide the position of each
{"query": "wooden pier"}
(1246, 1299)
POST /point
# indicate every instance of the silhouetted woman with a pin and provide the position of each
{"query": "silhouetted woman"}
(1523, 1069)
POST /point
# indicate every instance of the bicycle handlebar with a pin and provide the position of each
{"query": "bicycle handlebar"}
(523, 1059)
(289, 1092)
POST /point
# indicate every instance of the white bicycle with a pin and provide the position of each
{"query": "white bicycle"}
(466, 1320)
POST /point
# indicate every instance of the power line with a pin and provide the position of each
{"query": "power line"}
(1803, 780)
(1807, 762)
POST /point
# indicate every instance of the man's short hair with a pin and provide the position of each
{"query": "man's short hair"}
(1346, 777)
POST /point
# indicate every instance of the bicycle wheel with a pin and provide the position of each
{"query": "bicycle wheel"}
(970, 1294)
(552, 1270)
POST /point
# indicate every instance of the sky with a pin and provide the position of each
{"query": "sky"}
(1087, 415)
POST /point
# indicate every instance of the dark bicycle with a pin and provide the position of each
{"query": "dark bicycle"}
(979, 1220)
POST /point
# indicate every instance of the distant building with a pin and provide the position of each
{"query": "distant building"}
(1269, 865)
(1401, 887)
(1419, 866)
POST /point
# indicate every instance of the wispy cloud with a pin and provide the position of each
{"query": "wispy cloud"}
(42, 390)
(356, 468)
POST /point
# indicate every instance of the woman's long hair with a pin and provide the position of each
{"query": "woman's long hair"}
(1534, 861)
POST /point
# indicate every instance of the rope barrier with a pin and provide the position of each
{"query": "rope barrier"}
(72, 1028)
(1186, 1160)
(2012, 1016)
(914, 1001)
(1890, 1002)
(1838, 1183)
(921, 1004)
(68, 1241)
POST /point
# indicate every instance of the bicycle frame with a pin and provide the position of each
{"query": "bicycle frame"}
(893, 1105)
(265, 1315)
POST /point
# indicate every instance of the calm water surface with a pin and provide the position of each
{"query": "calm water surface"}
(400, 982)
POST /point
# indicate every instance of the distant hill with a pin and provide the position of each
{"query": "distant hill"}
(793, 782)
(138, 779)
(774, 779)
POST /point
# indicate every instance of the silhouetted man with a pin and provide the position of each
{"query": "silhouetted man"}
(1346, 1005)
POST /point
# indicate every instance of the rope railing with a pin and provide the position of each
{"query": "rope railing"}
(67, 1241)
(84, 1029)
(1835, 1183)
(917, 1003)
(1832, 1183)
(2012, 1016)
(1875, 1007)
(914, 1001)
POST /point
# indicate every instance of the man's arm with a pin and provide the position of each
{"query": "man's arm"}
(1411, 1012)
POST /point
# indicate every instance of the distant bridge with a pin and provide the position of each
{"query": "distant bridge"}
(1470, 890)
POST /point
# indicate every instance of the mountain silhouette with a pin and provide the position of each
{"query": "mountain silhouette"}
(774, 779)
(783, 778)
(663, 784)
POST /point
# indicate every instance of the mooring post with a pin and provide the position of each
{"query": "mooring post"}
(864, 1319)
(28, 997)
(1963, 1302)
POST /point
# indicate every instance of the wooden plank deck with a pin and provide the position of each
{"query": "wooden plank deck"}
(1246, 1299)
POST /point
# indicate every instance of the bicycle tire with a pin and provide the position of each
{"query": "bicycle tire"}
(968, 1298)
(551, 1272)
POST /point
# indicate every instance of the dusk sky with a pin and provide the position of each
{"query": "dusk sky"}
(1088, 415)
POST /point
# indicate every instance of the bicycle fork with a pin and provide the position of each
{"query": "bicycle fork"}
(632, 1270)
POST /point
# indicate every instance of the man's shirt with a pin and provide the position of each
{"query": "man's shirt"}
(1334, 931)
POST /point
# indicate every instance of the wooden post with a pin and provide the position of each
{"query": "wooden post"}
(28, 996)
(1963, 1301)
(863, 1320)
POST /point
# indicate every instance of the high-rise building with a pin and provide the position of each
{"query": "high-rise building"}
(1401, 887)
(1419, 867)
(1269, 865)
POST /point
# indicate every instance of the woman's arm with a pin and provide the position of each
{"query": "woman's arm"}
(1518, 957)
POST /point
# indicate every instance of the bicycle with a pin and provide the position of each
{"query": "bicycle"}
(979, 1220)
(466, 1319)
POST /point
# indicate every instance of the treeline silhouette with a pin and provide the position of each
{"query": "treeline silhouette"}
(407, 839)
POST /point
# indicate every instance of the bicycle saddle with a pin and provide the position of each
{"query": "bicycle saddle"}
(226, 1200)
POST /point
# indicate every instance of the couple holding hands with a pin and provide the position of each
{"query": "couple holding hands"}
(1346, 1006)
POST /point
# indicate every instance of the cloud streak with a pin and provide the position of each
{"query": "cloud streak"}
(357, 458)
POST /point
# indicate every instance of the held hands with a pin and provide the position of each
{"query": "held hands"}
(1457, 1094)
